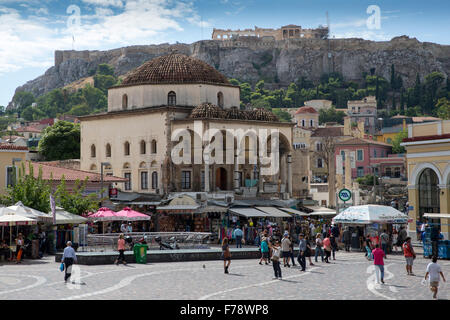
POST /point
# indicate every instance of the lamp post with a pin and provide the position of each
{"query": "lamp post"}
(101, 179)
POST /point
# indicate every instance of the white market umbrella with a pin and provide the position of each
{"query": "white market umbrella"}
(23, 210)
(65, 217)
(371, 213)
(11, 219)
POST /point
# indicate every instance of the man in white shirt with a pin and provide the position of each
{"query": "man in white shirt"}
(434, 270)
(285, 248)
(123, 227)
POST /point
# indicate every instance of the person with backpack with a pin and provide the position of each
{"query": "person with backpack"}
(276, 252)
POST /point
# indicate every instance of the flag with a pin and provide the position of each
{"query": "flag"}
(53, 207)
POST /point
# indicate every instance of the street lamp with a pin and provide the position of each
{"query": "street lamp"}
(101, 177)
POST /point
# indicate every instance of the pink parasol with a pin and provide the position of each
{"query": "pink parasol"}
(104, 214)
(129, 214)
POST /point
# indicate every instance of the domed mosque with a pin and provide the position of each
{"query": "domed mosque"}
(169, 94)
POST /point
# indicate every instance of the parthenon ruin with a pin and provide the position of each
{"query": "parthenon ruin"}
(286, 32)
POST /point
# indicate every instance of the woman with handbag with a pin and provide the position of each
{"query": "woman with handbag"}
(226, 255)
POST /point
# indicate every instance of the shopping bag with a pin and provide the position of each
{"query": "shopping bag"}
(61, 267)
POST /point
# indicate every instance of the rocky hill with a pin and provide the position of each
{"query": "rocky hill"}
(251, 59)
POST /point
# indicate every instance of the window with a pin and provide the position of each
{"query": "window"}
(108, 150)
(396, 172)
(389, 140)
(154, 180)
(360, 172)
(388, 172)
(127, 148)
(10, 178)
(202, 180)
(343, 155)
(124, 102)
(185, 179)
(92, 151)
(303, 123)
(143, 147)
(220, 99)
(153, 146)
(319, 146)
(319, 163)
(311, 122)
(374, 153)
(171, 99)
(127, 176)
(144, 180)
(359, 155)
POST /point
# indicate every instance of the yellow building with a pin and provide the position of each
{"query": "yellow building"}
(10, 155)
(428, 163)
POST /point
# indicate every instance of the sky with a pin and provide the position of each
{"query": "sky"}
(31, 30)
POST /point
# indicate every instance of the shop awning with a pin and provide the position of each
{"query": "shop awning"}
(249, 212)
(214, 209)
(274, 212)
(294, 211)
(437, 215)
(322, 211)
(178, 209)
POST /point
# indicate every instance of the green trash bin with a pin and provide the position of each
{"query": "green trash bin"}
(140, 253)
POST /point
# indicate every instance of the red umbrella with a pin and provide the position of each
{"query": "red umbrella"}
(104, 214)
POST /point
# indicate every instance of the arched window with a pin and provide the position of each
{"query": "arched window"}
(220, 99)
(92, 151)
(171, 99)
(124, 102)
(143, 147)
(108, 150)
(154, 180)
(303, 123)
(311, 122)
(153, 146)
(127, 148)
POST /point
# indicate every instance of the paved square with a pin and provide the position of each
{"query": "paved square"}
(351, 276)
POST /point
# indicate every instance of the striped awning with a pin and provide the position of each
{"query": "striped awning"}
(249, 212)
(274, 212)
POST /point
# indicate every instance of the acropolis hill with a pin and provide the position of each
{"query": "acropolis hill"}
(251, 58)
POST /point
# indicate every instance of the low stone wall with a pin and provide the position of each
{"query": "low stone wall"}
(153, 256)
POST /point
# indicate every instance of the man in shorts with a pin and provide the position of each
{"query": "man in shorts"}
(285, 249)
(434, 270)
(409, 254)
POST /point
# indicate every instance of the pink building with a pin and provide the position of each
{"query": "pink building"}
(372, 155)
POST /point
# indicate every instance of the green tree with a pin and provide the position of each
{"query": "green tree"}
(22, 99)
(80, 110)
(283, 115)
(396, 147)
(95, 98)
(105, 69)
(33, 191)
(60, 141)
(261, 103)
(331, 115)
(104, 82)
(76, 201)
(443, 108)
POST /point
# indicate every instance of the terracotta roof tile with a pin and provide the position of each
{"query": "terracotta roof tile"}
(50, 171)
(9, 146)
(174, 68)
(328, 132)
(362, 141)
(306, 109)
(29, 129)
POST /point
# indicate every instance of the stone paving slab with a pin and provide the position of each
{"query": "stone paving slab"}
(349, 277)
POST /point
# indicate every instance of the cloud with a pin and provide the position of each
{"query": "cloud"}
(30, 41)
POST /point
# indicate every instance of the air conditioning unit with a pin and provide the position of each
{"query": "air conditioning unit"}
(201, 196)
